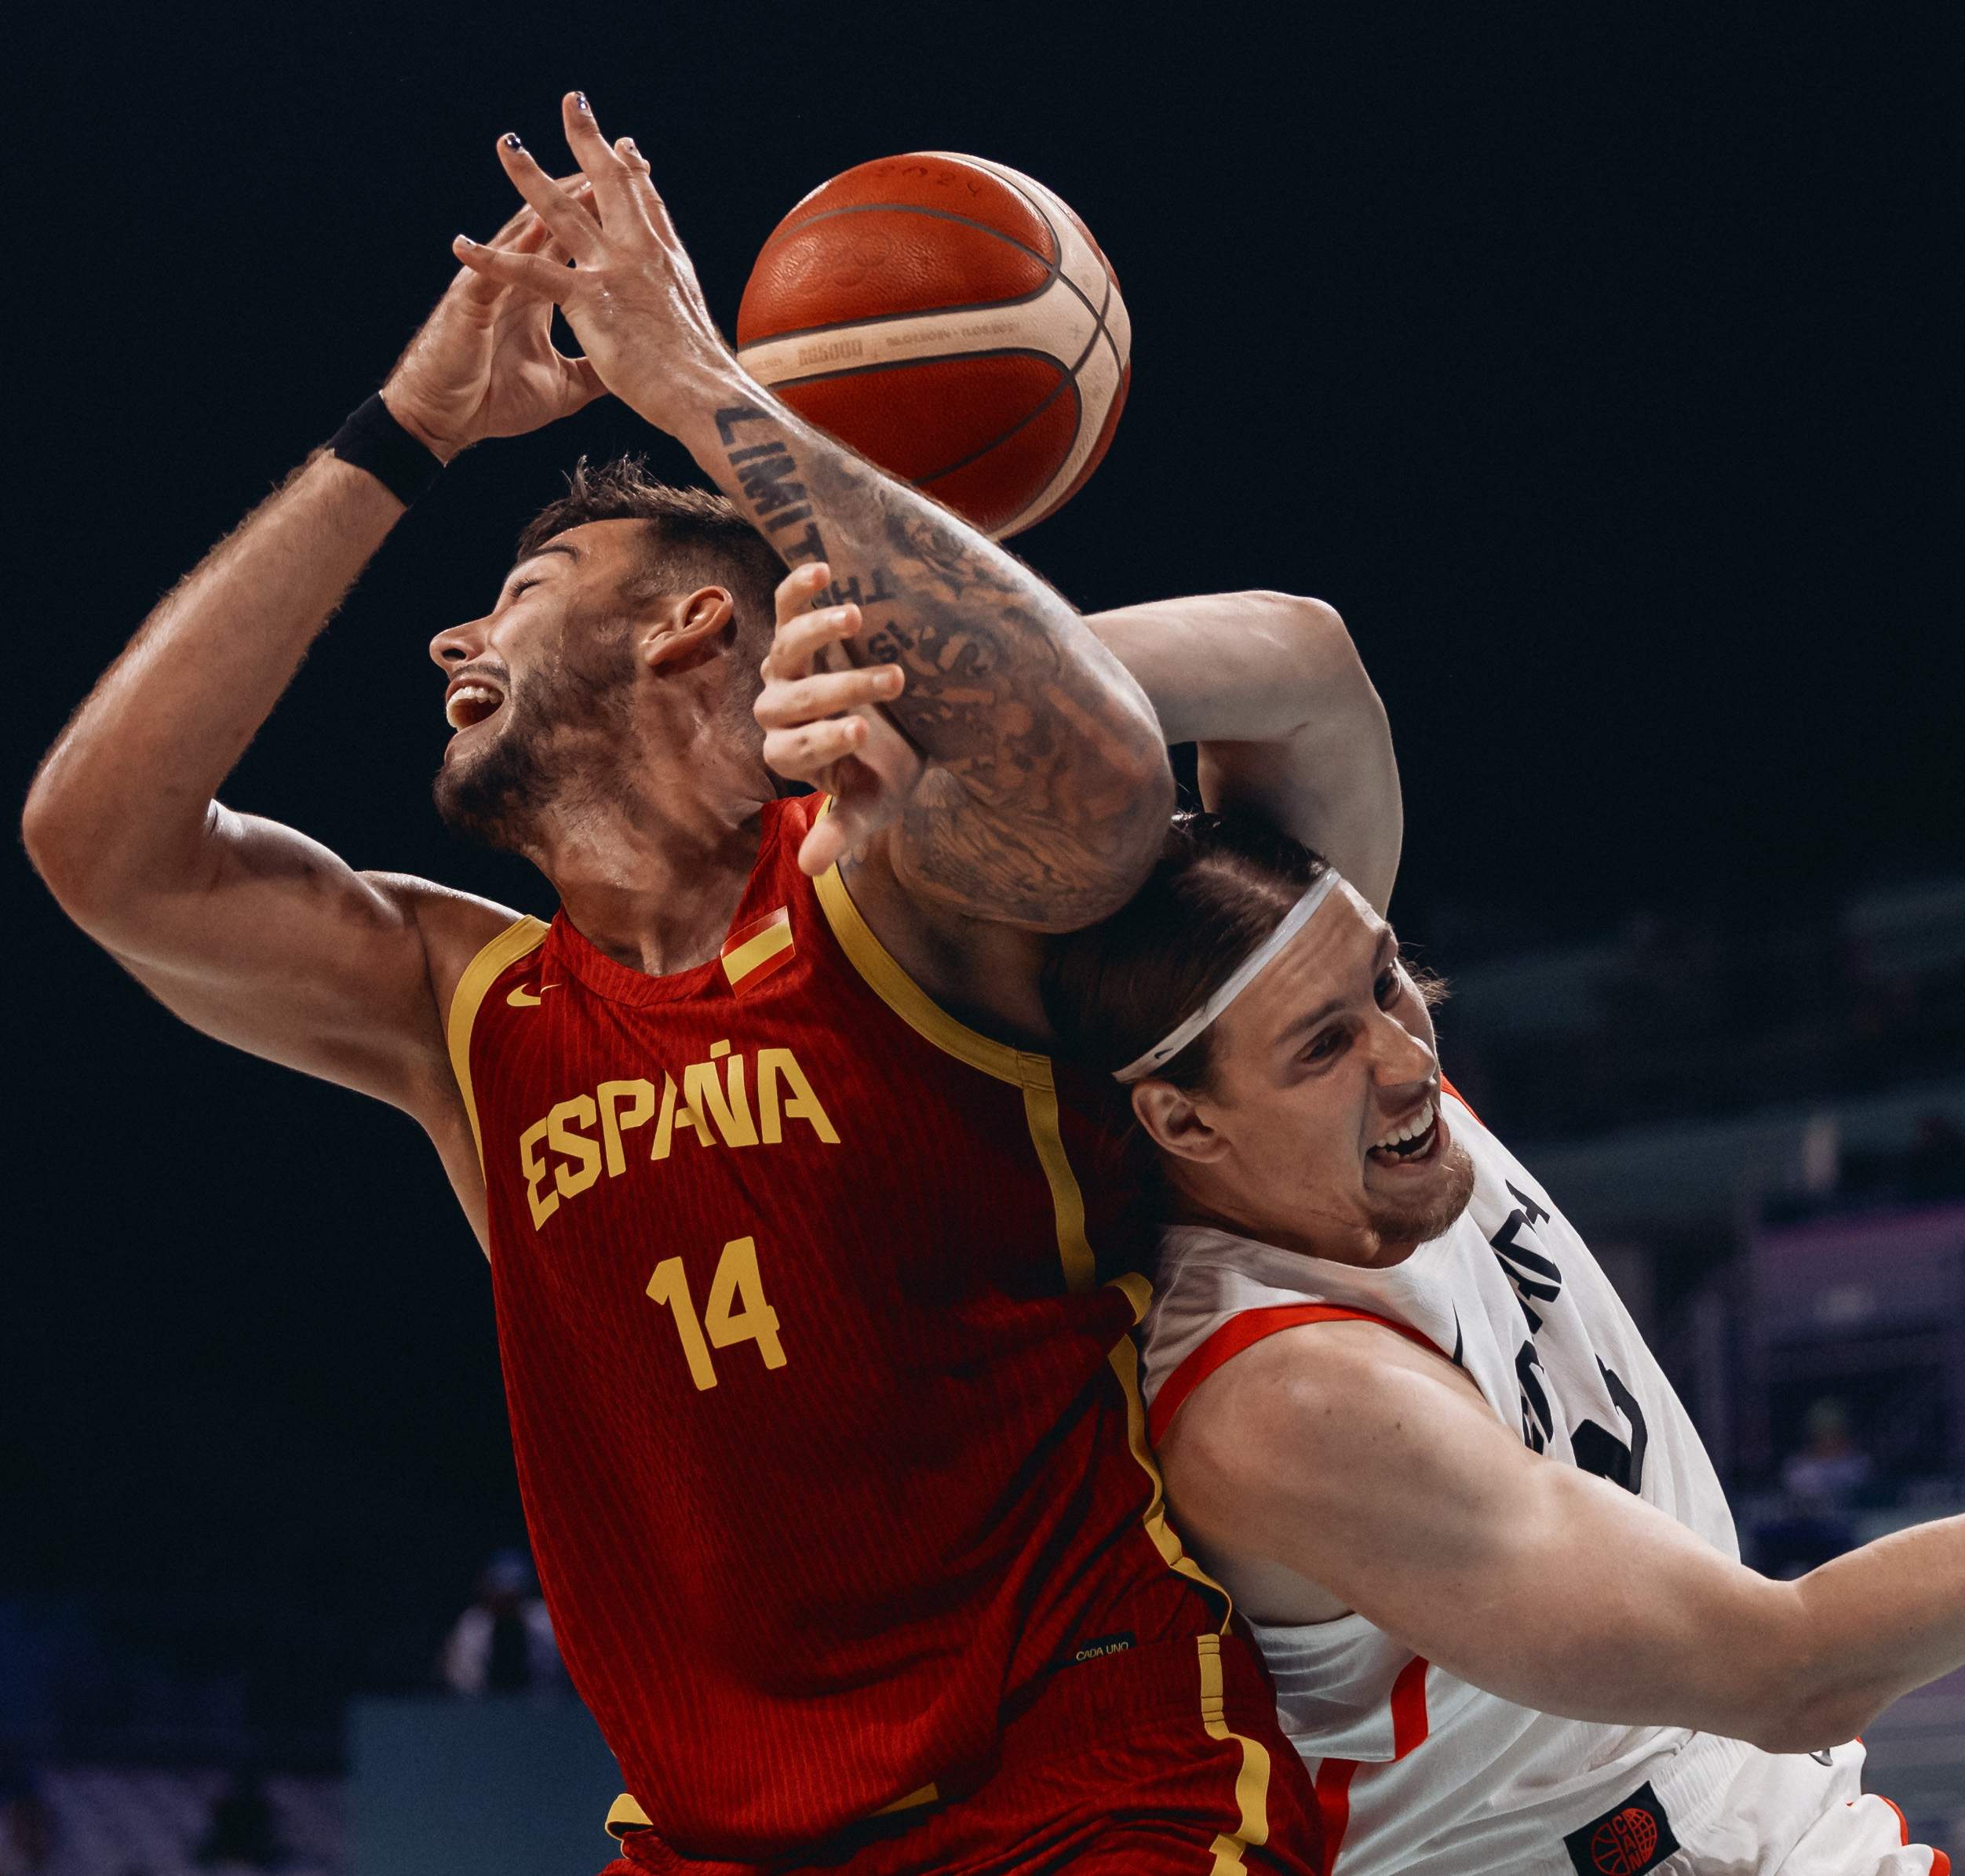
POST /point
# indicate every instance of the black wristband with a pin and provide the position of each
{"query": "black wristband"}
(372, 440)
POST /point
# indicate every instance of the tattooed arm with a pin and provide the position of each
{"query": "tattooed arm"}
(1047, 792)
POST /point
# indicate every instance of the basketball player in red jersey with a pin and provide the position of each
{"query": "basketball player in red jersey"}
(839, 1495)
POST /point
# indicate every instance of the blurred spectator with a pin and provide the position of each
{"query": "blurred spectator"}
(1823, 1483)
(243, 1836)
(503, 1643)
(1830, 1473)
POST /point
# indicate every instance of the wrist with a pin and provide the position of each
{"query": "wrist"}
(374, 440)
(445, 449)
(683, 397)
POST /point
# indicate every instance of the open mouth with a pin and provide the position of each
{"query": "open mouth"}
(469, 702)
(1411, 1141)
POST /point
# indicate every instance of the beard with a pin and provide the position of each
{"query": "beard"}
(1416, 1221)
(565, 737)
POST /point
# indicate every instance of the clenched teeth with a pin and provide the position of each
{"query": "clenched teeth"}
(1412, 1129)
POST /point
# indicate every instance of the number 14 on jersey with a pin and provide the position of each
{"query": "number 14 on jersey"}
(736, 1311)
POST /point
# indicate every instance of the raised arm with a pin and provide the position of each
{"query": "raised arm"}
(1048, 787)
(248, 929)
(1374, 1470)
(1290, 728)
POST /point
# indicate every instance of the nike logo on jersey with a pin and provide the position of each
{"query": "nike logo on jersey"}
(522, 999)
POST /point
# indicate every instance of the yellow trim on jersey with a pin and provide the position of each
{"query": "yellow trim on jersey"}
(1124, 1359)
(624, 1815)
(1251, 1782)
(913, 1005)
(1041, 1115)
(909, 1002)
(522, 935)
(927, 1794)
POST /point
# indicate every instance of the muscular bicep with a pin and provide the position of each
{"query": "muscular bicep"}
(1376, 1471)
(276, 945)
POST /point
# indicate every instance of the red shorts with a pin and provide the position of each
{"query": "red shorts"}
(1165, 1760)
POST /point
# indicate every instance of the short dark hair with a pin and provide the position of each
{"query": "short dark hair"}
(693, 537)
(1219, 888)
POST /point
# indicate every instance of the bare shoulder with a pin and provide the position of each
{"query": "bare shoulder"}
(455, 927)
(1313, 1410)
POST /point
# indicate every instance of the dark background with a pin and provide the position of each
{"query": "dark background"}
(1598, 368)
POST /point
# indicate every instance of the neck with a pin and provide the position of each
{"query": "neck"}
(1335, 1243)
(651, 870)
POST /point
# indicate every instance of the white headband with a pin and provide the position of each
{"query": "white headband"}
(1245, 974)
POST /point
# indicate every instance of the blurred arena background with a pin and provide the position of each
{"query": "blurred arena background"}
(1589, 366)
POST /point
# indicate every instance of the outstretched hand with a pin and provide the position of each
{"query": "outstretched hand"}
(630, 293)
(484, 363)
(826, 727)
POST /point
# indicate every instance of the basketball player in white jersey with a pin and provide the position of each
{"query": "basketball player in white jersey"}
(1401, 1412)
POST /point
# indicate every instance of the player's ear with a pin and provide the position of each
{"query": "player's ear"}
(1175, 1124)
(686, 626)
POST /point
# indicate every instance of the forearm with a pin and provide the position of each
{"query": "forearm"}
(122, 800)
(1882, 1621)
(1006, 689)
(1651, 1626)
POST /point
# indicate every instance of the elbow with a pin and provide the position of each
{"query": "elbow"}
(1312, 628)
(81, 861)
(1136, 833)
(1804, 1697)
(55, 848)
(1318, 661)
(1798, 1721)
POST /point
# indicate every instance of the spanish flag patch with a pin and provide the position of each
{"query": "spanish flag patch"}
(755, 950)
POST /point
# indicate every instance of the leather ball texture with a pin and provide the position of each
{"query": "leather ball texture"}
(953, 321)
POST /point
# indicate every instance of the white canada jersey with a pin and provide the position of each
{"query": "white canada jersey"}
(1417, 1770)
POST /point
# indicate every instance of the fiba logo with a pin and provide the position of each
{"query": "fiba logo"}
(1624, 1845)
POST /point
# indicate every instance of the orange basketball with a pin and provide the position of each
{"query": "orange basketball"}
(952, 321)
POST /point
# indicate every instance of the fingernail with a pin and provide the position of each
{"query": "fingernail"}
(510, 140)
(580, 101)
(463, 241)
(634, 149)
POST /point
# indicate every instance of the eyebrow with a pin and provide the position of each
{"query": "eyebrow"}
(1387, 941)
(539, 553)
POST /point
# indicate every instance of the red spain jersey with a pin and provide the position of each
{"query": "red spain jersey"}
(829, 1433)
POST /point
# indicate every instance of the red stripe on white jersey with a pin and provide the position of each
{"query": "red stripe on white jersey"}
(1240, 1333)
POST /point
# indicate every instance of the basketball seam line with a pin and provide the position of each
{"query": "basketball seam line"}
(1067, 376)
(1105, 266)
(1054, 272)
(1051, 275)
(1097, 324)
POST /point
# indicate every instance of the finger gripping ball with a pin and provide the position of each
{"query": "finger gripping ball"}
(952, 320)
